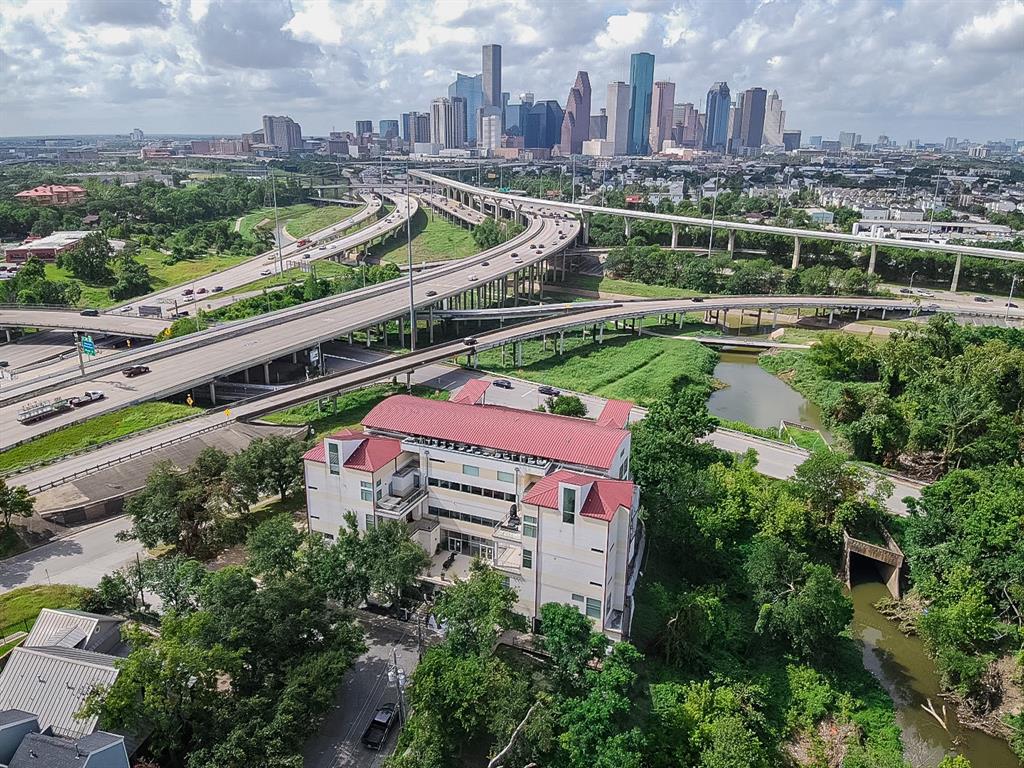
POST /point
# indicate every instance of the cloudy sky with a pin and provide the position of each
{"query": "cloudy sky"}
(910, 69)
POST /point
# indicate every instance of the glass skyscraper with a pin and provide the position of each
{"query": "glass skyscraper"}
(641, 77)
(470, 88)
(716, 128)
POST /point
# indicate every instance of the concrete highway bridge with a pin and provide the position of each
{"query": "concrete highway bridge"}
(492, 199)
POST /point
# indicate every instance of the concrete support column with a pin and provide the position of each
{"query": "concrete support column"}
(295, 358)
(732, 242)
(600, 334)
(956, 273)
(430, 323)
(883, 313)
(561, 342)
(831, 315)
(629, 227)
(266, 373)
(245, 375)
(796, 253)
(401, 331)
(519, 353)
(369, 333)
(585, 230)
(675, 235)
(213, 394)
(497, 209)
(858, 313)
(872, 259)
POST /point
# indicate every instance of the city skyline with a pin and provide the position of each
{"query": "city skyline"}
(185, 66)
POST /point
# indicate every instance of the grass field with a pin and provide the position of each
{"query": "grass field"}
(351, 408)
(431, 241)
(97, 296)
(625, 287)
(95, 431)
(325, 268)
(642, 370)
(284, 214)
(318, 218)
(20, 607)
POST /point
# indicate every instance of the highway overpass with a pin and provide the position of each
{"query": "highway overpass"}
(493, 198)
(29, 316)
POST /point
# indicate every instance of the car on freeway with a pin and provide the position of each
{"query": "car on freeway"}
(485, 264)
(376, 733)
(217, 289)
(514, 255)
(306, 256)
(135, 370)
(932, 308)
(323, 247)
(266, 272)
(187, 292)
(926, 294)
(561, 237)
(1011, 305)
(201, 291)
(905, 290)
(544, 389)
(533, 246)
(473, 278)
(89, 396)
(697, 299)
(982, 299)
(469, 341)
(502, 383)
(4, 363)
(125, 310)
(180, 314)
(431, 293)
(90, 313)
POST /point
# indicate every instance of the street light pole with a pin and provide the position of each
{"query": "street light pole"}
(1009, 300)
(912, 275)
(277, 231)
(408, 239)
(714, 206)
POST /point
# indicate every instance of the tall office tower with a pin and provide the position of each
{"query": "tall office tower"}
(283, 132)
(815, 142)
(949, 146)
(847, 139)
(700, 130)
(364, 126)
(883, 140)
(408, 127)
(684, 126)
(576, 120)
(599, 125)
(662, 100)
(469, 89)
(752, 121)
(448, 122)
(481, 114)
(619, 97)
(543, 128)
(422, 127)
(774, 121)
(490, 128)
(526, 98)
(735, 124)
(791, 140)
(492, 76)
(389, 129)
(716, 131)
(641, 79)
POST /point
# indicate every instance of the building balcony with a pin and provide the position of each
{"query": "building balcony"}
(398, 507)
(509, 560)
(510, 529)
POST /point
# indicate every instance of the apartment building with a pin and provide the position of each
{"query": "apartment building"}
(545, 499)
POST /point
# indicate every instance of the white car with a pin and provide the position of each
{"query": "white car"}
(926, 294)
(266, 272)
(473, 278)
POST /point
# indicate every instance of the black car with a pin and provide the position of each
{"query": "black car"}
(502, 383)
(982, 299)
(431, 293)
(90, 313)
(217, 289)
(697, 299)
(376, 733)
(135, 370)
(1011, 305)
(469, 341)
(485, 264)
(544, 389)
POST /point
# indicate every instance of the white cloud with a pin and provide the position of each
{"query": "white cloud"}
(627, 29)
(1002, 27)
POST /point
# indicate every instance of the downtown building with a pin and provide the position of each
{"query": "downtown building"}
(282, 132)
(469, 88)
(620, 96)
(576, 121)
(716, 125)
(545, 499)
(662, 104)
(641, 81)
(448, 122)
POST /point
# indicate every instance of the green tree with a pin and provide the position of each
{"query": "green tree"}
(267, 466)
(566, 405)
(176, 580)
(133, 278)
(477, 608)
(90, 259)
(272, 545)
(15, 501)
(390, 559)
(570, 639)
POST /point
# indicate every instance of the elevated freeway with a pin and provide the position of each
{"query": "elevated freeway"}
(27, 316)
(482, 196)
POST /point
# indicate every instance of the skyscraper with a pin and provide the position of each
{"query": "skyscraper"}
(576, 121)
(599, 125)
(422, 126)
(684, 126)
(543, 127)
(468, 88)
(641, 79)
(491, 76)
(735, 125)
(283, 132)
(847, 139)
(619, 97)
(364, 126)
(662, 101)
(448, 122)
(791, 140)
(389, 129)
(752, 118)
(774, 121)
(716, 130)
(490, 128)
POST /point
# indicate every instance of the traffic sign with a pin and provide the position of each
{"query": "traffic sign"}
(88, 345)
(189, 400)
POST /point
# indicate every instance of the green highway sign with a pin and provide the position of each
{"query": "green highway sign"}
(88, 345)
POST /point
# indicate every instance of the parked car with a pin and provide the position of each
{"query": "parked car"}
(502, 383)
(469, 341)
(90, 313)
(544, 389)
(135, 370)
(376, 733)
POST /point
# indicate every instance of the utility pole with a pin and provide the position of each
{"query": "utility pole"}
(81, 360)
(714, 205)
(277, 237)
(408, 240)
(1009, 300)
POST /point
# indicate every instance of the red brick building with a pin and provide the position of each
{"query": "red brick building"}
(53, 194)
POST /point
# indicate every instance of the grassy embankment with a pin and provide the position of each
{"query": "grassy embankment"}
(95, 431)
(432, 240)
(349, 411)
(20, 607)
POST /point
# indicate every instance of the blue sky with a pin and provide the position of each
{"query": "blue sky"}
(916, 69)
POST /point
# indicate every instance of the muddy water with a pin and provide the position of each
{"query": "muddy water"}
(905, 671)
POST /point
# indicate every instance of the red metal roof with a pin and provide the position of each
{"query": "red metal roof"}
(558, 438)
(49, 190)
(615, 414)
(471, 392)
(372, 453)
(603, 499)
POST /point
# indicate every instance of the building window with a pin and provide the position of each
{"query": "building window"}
(506, 477)
(527, 559)
(469, 469)
(530, 526)
(577, 598)
(333, 459)
(488, 493)
(365, 491)
(369, 521)
(569, 505)
(593, 608)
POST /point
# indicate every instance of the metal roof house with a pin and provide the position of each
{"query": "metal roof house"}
(97, 750)
(74, 629)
